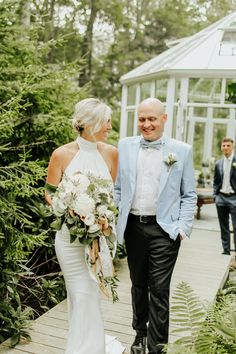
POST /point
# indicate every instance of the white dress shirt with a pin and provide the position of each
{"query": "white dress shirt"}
(148, 181)
(227, 163)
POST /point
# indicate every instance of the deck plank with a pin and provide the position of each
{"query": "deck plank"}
(200, 263)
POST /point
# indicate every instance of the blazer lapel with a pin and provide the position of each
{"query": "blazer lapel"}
(165, 169)
(221, 167)
(133, 153)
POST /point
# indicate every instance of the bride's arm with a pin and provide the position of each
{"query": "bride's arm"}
(55, 170)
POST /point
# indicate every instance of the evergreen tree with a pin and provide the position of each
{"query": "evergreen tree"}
(36, 103)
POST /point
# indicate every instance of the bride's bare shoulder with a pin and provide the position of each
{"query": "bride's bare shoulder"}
(108, 148)
(65, 151)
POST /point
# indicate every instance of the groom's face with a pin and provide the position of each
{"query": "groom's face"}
(151, 121)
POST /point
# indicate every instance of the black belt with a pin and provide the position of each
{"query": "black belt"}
(144, 219)
(227, 194)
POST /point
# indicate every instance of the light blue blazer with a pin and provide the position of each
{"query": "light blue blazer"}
(176, 200)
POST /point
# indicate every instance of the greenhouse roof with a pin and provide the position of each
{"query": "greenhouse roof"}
(213, 49)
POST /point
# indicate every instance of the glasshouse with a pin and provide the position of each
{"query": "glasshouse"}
(196, 80)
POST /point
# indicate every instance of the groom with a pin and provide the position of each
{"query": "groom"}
(155, 192)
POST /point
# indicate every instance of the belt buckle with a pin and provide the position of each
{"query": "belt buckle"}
(143, 221)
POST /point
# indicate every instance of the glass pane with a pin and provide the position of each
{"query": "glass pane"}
(221, 113)
(145, 90)
(198, 145)
(161, 89)
(230, 95)
(228, 43)
(131, 95)
(204, 90)
(177, 89)
(219, 132)
(130, 124)
(200, 112)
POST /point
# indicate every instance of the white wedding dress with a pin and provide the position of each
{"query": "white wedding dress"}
(86, 331)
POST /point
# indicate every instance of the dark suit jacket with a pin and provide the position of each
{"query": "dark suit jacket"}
(218, 176)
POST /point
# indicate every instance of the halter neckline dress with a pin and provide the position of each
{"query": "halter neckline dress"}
(86, 331)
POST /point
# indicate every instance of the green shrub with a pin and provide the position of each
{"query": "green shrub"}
(36, 104)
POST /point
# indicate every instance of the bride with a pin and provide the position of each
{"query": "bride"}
(89, 153)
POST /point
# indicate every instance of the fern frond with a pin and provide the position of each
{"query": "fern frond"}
(187, 313)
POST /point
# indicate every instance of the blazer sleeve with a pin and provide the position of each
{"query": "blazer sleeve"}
(117, 189)
(217, 180)
(117, 186)
(188, 198)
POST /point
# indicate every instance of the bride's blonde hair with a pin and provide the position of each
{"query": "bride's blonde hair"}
(90, 112)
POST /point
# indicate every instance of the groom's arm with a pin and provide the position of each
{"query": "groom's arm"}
(188, 195)
(117, 186)
(117, 189)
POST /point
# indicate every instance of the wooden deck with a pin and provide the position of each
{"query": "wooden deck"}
(200, 263)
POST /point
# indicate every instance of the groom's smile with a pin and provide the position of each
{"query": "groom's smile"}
(151, 121)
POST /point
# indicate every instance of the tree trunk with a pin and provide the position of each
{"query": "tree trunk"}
(24, 13)
(87, 45)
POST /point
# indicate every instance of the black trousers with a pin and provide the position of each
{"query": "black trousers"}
(226, 206)
(151, 259)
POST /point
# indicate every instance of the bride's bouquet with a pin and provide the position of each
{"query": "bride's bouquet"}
(85, 204)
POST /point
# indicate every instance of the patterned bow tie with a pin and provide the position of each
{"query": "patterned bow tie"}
(144, 144)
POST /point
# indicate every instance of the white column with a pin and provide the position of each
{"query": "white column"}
(123, 118)
(222, 94)
(207, 151)
(190, 136)
(170, 98)
(182, 108)
(137, 101)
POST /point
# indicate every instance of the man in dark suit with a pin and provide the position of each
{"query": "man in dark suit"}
(224, 192)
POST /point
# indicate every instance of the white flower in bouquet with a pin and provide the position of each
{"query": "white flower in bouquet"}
(109, 214)
(83, 205)
(58, 206)
(89, 219)
(81, 181)
(106, 192)
(101, 209)
(70, 189)
(93, 228)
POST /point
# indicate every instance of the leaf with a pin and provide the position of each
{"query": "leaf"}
(56, 224)
(70, 221)
(225, 331)
(50, 188)
(9, 288)
(85, 240)
(187, 311)
(72, 238)
(233, 319)
(15, 339)
(74, 230)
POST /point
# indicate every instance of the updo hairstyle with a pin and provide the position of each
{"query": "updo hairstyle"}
(90, 112)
